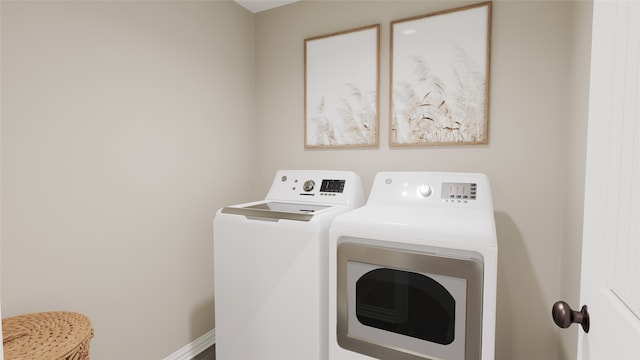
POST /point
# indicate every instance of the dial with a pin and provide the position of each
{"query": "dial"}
(309, 185)
(424, 190)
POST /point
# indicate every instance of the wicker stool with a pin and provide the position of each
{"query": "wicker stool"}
(57, 335)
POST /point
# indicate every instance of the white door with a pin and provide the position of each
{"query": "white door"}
(610, 285)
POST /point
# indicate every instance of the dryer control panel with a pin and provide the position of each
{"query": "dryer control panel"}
(464, 190)
(315, 186)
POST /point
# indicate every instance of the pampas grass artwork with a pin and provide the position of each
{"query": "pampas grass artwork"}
(351, 121)
(341, 89)
(439, 77)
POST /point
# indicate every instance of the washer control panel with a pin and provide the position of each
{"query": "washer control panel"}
(339, 187)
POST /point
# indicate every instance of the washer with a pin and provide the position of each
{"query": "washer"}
(271, 267)
(412, 274)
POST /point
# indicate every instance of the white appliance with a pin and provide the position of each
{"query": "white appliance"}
(412, 274)
(271, 266)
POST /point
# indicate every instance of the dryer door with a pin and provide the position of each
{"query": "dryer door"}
(401, 304)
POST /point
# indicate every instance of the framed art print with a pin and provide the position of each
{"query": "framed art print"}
(341, 89)
(440, 78)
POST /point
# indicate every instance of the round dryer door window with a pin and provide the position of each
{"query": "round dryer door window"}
(404, 304)
(408, 303)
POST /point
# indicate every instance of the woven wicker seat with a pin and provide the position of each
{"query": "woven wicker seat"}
(57, 335)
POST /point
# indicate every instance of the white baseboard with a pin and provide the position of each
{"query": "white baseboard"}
(194, 348)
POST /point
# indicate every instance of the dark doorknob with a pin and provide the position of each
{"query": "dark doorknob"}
(563, 316)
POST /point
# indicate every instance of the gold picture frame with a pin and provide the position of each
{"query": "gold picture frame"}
(439, 76)
(341, 89)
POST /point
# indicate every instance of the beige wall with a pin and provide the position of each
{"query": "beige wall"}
(577, 98)
(535, 158)
(125, 125)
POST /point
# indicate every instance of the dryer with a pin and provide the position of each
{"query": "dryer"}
(412, 274)
(271, 266)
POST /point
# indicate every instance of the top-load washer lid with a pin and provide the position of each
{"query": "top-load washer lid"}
(277, 210)
(301, 194)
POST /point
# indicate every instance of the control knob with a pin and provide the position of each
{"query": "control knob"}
(308, 185)
(424, 190)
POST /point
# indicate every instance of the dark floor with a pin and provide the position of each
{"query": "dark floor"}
(208, 354)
